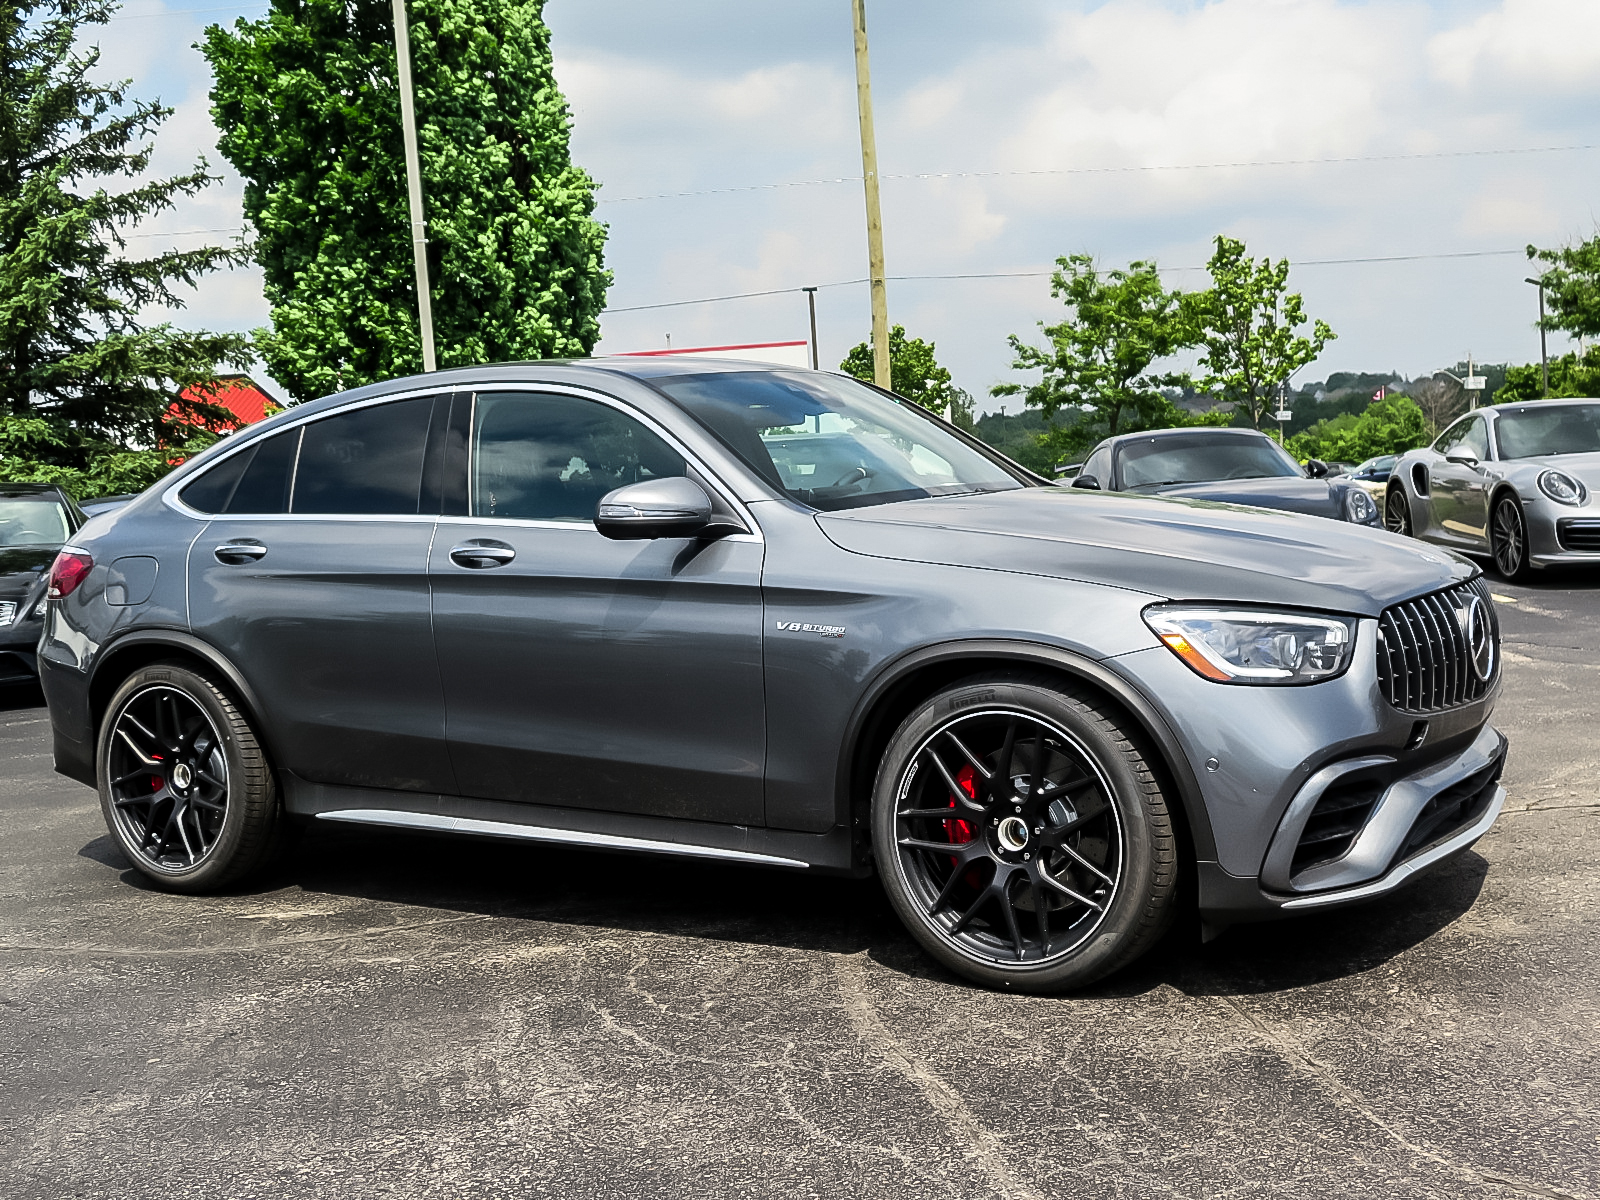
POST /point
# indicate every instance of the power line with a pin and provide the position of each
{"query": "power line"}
(1309, 262)
(1219, 166)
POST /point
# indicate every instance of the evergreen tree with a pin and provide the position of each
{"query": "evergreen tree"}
(81, 377)
(309, 105)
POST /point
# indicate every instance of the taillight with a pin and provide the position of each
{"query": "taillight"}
(71, 568)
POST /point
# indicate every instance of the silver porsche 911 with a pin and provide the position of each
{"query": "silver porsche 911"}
(1513, 481)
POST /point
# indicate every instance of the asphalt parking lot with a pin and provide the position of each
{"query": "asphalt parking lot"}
(392, 1016)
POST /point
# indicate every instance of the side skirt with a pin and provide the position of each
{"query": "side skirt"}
(828, 853)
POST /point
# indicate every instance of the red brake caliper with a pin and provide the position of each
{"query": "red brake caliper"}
(955, 829)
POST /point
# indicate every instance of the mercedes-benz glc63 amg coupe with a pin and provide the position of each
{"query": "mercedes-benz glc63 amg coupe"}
(773, 617)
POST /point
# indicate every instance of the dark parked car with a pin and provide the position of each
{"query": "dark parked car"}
(100, 504)
(773, 617)
(1236, 466)
(35, 519)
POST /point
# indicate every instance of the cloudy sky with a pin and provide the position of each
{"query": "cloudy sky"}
(1439, 136)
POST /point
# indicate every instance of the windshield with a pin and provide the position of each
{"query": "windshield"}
(1549, 429)
(1164, 461)
(833, 443)
(32, 521)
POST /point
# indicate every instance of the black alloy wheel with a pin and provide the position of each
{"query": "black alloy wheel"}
(1508, 538)
(1022, 837)
(184, 786)
(1397, 512)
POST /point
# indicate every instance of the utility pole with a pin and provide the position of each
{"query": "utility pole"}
(1544, 353)
(419, 230)
(869, 176)
(811, 301)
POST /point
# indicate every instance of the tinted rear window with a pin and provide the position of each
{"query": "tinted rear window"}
(368, 461)
(256, 480)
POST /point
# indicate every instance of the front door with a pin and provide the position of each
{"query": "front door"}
(1460, 492)
(312, 579)
(580, 671)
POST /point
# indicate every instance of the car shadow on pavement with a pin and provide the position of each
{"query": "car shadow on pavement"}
(728, 902)
(17, 696)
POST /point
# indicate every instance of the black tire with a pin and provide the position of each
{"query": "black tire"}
(1086, 811)
(185, 788)
(1508, 538)
(1397, 512)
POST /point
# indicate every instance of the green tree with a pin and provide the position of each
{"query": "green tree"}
(82, 377)
(1392, 425)
(1245, 326)
(308, 102)
(1570, 375)
(1572, 287)
(914, 373)
(1102, 361)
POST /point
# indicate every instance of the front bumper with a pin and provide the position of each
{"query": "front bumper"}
(1411, 822)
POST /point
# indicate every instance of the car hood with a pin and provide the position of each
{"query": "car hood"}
(1583, 467)
(21, 566)
(1173, 549)
(1318, 497)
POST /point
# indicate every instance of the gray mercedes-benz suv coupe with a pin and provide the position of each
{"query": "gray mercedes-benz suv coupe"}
(775, 617)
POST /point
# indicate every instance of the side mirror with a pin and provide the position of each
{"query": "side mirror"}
(674, 507)
(1461, 456)
(1316, 468)
(1087, 481)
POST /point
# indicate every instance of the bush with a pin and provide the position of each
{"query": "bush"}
(1392, 425)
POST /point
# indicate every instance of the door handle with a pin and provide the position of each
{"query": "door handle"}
(481, 553)
(241, 550)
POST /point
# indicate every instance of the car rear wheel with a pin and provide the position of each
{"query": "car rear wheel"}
(1021, 835)
(1509, 538)
(1397, 512)
(184, 786)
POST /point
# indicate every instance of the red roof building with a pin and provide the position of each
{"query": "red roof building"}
(236, 393)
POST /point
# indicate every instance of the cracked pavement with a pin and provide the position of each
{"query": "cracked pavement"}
(394, 1016)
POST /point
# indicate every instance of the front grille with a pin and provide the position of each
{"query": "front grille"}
(8, 611)
(1579, 533)
(1458, 806)
(1424, 658)
(1339, 815)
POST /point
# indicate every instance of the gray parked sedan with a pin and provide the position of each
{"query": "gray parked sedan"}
(1235, 466)
(1511, 481)
(772, 617)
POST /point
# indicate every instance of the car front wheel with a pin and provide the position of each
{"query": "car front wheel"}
(1510, 538)
(184, 785)
(1022, 836)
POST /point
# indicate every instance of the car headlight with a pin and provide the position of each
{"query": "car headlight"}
(1241, 646)
(1360, 507)
(1562, 488)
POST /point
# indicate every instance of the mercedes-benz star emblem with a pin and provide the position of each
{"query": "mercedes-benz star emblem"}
(1474, 618)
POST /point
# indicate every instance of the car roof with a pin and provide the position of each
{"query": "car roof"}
(28, 489)
(1192, 430)
(1494, 410)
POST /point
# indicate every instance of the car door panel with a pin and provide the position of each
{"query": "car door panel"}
(586, 672)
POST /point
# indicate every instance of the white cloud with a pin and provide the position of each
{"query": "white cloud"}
(1548, 44)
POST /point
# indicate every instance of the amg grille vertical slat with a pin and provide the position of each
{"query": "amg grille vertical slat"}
(1425, 655)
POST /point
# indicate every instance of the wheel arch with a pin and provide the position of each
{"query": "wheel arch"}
(142, 647)
(904, 683)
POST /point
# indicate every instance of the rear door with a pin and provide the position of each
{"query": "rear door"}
(312, 579)
(580, 671)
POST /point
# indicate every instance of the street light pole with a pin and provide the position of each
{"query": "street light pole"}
(419, 232)
(811, 302)
(1544, 353)
(869, 175)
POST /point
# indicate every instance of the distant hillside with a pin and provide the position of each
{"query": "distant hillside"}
(1015, 436)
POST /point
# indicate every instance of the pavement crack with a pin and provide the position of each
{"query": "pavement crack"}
(359, 935)
(989, 1153)
(1347, 1097)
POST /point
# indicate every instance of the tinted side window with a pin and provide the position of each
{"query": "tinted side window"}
(264, 486)
(1476, 438)
(1099, 465)
(368, 461)
(1452, 435)
(551, 458)
(212, 491)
